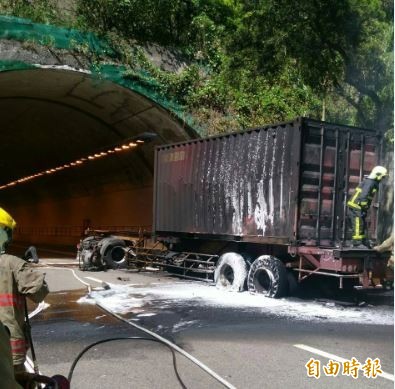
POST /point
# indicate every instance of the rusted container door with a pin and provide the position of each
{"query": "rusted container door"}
(240, 186)
(334, 161)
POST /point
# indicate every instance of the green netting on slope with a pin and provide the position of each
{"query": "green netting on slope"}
(119, 75)
(7, 65)
(139, 81)
(136, 81)
(45, 34)
(142, 83)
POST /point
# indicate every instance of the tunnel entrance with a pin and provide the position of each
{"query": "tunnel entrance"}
(53, 115)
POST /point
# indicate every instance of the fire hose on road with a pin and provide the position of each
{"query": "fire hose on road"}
(153, 337)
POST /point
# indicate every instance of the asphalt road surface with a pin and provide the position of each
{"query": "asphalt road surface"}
(250, 341)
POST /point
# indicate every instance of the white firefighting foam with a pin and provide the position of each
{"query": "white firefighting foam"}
(124, 299)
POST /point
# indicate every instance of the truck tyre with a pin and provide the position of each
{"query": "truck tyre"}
(85, 259)
(231, 272)
(113, 253)
(268, 276)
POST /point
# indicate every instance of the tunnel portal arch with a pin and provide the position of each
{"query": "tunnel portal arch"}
(55, 107)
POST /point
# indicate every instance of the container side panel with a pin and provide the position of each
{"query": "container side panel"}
(239, 185)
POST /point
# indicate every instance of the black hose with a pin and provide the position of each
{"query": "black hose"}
(30, 340)
(70, 375)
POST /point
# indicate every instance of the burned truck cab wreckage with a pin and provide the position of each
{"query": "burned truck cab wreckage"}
(248, 209)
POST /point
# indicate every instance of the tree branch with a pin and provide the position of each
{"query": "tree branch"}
(364, 90)
(342, 92)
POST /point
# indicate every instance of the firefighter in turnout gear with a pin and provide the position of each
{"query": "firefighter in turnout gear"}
(6, 368)
(360, 203)
(17, 281)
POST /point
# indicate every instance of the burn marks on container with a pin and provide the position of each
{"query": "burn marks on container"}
(232, 185)
(263, 184)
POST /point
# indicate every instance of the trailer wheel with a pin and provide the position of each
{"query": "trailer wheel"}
(268, 276)
(231, 272)
(114, 254)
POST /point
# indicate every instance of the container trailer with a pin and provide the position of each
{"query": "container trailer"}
(249, 209)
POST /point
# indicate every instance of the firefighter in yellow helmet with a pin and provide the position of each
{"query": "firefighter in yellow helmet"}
(18, 280)
(360, 203)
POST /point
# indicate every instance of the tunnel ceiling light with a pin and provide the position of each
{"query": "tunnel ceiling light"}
(128, 144)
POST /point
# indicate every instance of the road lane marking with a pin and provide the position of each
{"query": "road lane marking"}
(94, 279)
(337, 358)
(59, 263)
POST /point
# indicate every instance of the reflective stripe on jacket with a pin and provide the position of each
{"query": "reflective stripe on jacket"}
(10, 300)
(363, 195)
(17, 280)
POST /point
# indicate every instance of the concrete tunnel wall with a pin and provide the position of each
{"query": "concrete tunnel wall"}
(55, 110)
(60, 221)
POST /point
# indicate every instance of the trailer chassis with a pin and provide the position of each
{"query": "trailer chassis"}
(342, 263)
(190, 265)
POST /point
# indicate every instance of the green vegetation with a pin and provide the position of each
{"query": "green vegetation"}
(39, 11)
(248, 62)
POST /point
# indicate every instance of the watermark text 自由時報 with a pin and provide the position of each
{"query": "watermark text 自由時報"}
(371, 368)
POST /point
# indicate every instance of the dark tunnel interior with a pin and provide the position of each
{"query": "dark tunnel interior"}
(54, 116)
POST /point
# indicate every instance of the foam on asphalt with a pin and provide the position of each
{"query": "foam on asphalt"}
(152, 299)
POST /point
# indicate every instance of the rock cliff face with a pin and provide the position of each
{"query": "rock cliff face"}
(166, 59)
(12, 50)
(30, 53)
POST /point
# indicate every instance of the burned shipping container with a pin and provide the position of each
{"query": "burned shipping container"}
(283, 184)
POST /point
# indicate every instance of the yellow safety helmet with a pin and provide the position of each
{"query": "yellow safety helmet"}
(6, 219)
(378, 173)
